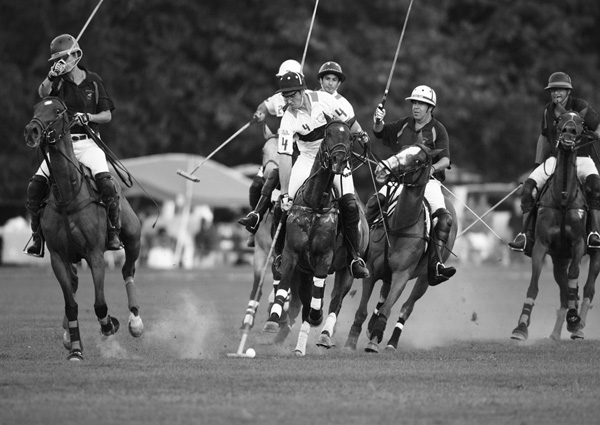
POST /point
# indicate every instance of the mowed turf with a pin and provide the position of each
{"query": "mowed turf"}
(456, 363)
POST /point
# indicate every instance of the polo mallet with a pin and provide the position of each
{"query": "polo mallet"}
(240, 351)
(389, 81)
(86, 24)
(474, 213)
(308, 38)
(195, 179)
(81, 33)
(489, 211)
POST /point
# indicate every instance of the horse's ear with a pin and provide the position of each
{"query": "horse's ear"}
(328, 118)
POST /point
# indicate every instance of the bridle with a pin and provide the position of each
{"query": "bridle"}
(49, 134)
(407, 177)
(327, 152)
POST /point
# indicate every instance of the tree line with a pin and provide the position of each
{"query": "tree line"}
(185, 75)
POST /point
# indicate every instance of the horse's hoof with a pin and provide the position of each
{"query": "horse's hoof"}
(75, 356)
(298, 353)
(136, 326)
(284, 331)
(271, 327)
(577, 335)
(555, 336)
(324, 341)
(67, 340)
(391, 348)
(372, 347)
(573, 320)
(111, 328)
(520, 333)
(352, 340)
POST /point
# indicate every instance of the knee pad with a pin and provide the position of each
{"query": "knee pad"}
(592, 191)
(445, 220)
(106, 185)
(349, 209)
(527, 199)
(271, 183)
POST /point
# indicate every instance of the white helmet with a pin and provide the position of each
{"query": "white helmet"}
(423, 94)
(289, 65)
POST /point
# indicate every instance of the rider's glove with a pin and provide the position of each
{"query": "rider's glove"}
(258, 116)
(83, 119)
(379, 114)
(57, 69)
(362, 137)
(286, 202)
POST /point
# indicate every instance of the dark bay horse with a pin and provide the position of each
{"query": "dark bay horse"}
(398, 246)
(74, 224)
(560, 230)
(312, 244)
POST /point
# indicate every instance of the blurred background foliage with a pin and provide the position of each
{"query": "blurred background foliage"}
(187, 74)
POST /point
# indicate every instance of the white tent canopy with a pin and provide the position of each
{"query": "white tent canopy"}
(219, 186)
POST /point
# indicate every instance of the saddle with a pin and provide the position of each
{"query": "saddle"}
(430, 237)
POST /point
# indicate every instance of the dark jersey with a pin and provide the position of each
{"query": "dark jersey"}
(89, 97)
(401, 133)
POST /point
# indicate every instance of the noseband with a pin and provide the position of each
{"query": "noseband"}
(49, 134)
(327, 153)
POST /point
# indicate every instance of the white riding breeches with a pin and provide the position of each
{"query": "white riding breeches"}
(433, 194)
(585, 168)
(342, 184)
(88, 153)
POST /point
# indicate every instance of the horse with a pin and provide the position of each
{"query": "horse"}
(74, 224)
(398, 247)
(560, 231)
(262, 245)
(313, 247)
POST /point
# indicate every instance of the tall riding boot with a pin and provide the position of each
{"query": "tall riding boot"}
(278, 216)
(375, 206)
(525, 239)
(110, 198)
(350, 219)
(253, 219)
(592, 194)
(442, 232)
(36, 192)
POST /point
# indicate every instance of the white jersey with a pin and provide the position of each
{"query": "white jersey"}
(307, 128)
(274, 105)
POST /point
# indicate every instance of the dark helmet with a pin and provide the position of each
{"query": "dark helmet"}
(62, 45)
(331, 68)
(291, 81)
(559, 80)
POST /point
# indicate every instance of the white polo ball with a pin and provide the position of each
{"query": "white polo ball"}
(251, 353)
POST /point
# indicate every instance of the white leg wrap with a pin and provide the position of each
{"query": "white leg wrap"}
(303, 338)
(330, 324)
(276, 309)
(272, 296)
(400, 325)
(316, 303)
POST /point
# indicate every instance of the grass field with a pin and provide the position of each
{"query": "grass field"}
(456, 363)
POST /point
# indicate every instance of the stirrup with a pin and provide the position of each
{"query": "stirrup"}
(516, 244)
(446, 272)
(37, 253)
(362, 270)
(248, 223)
(589, 244)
